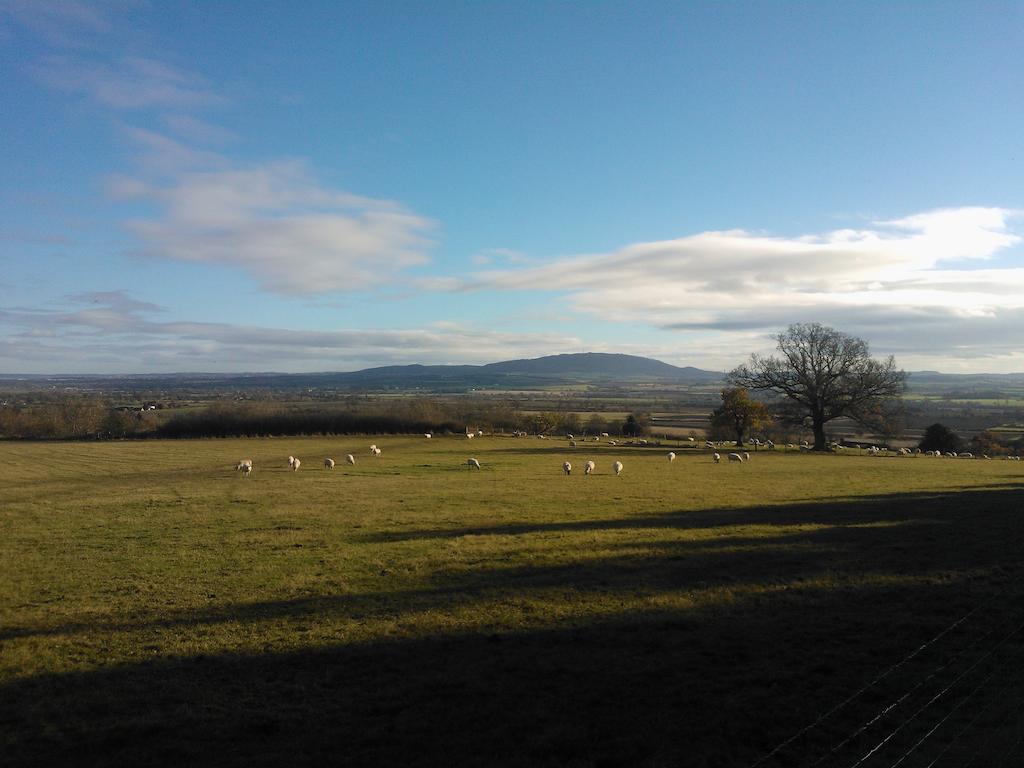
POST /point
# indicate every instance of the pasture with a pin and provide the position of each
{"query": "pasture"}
(157, 607)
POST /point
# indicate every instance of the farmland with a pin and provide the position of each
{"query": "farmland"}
(158, 608)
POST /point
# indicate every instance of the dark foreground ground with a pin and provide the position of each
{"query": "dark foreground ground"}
(920, 671)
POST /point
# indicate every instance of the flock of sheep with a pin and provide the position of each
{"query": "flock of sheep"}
(245, 465)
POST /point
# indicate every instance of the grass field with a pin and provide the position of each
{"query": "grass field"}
(158, 608)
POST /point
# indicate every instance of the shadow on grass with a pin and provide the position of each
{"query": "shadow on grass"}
(858, 510)
(717, 685)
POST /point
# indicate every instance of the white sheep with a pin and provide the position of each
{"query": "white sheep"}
(717, 457)
(588, 467)
(735, 457)
(604, 434)
(470, 463)
(746, 457)
(671, 456)
(427, 435)
(291, 462)
(376, 451)
(328, 463)
(295, 465)
(617, 466)
(243, 464)
(373, 448)
(572, 443)
(470, 435)
(350, 459)
(567, 468)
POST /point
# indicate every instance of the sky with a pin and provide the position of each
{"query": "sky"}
(329, 186)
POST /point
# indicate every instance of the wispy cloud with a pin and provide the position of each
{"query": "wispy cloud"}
(191, 128)
(113, 332)
(63, 23)
(134, 83)
(498, 255)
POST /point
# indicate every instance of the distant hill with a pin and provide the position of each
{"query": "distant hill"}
(602, 365)
(510, 374)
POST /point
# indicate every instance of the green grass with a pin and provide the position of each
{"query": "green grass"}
(158, 608)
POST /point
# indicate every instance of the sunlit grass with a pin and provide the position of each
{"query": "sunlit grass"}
(115, 554)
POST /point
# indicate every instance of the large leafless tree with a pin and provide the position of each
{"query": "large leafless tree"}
(825, 374)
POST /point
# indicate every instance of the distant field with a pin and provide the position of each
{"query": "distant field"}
(158, 608)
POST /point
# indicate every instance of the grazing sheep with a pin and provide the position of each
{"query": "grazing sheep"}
(328, 463)
(572, 443)
(295, 465)
(709, 445)
(966, 456)
(479, 433)
(567, 468)
(569, 436)
(588, 467)
(291, 462)
(373, 448)
(350, 459)
(246, 469)
(470, 435)
(671, 456)
(735, 457)
(771, 445)
(244, 463)
(376, 451)
(617, 466)
(470, 463)
(746, 457)
(717, 457)
(613, 442)
(604, 434)
(427, 435)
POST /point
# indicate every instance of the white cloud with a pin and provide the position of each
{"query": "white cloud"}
(897, 282)
(274, 221)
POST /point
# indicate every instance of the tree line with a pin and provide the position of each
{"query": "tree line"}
(73, 416)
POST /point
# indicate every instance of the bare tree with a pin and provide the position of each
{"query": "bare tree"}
(825, 374)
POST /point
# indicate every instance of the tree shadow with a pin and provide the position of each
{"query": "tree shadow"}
(718, 684)
(856, 510)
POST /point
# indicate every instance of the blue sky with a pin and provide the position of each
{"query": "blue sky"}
(329, 186)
